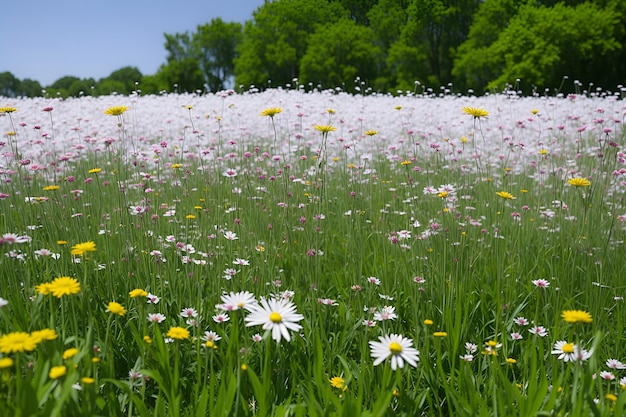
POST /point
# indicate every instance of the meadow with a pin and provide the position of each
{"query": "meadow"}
(297, 253)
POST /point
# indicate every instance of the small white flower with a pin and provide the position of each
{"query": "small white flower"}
(156, 317)
(221, 318)
(615, 364)
(235, 301)
(399, 348)
(152, 299)
(210, 336)
(385, 313)
(277, 316)
(188, 312)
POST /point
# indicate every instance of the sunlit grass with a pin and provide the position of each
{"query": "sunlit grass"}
(493, 246)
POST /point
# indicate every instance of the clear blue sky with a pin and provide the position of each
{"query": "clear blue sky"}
(46, 40)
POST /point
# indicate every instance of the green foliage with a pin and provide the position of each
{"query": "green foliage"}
(216, 48)
(428, 40)
(202, 60)
(475, 65)
(459, 44)
(129, 77)
(182, 71)
(277, 38)
(10, 86)
(338, 53)
(542, 44)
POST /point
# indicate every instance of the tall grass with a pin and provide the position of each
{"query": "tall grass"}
(190, 197)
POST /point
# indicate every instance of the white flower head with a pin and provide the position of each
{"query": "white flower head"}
(235, 301)
(277, 315)
(398, 347)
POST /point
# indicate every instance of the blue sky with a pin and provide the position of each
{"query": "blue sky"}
(46, 40)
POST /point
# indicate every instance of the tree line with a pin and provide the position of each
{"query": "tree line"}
(388, 45)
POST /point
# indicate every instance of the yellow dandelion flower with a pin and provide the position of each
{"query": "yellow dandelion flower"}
(475, 112)
(271, 111)
(87, 380)
(330, 111)
(534, 111)
(611, 397)
(61, 242)
(505, 195)
(116, 308)
(371, 132)
(138, 292)
(57, 372)
(440, 334)
(511, 361)
(179, 333)
(147, 339)
(51, 187)
(6, 363)
(69, 353)
(17, 342)
(428, 322)
(543, 151)
(406, 162)
(44, 334)
(43, 288)
(338, 382)
(579, 182)
(64, 286)
(190, 216)
(94, 170)
(397, 107)
(11, 133)
(325, 128)
(576, 316)
(176, 166)
(82, 248)
(7, 109)
(116, 110)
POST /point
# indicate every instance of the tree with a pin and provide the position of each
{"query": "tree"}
(182, 68)
(540, 45)
(277, 37)
(30, 88)
(338, 53)
(358, 10)
(126, 76)
(433, 31)
(215, 45)
(474, 65)
(9, 85)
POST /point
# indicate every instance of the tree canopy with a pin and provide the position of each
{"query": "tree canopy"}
(389, 44)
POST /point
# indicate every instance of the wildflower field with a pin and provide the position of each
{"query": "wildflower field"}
(313, 254)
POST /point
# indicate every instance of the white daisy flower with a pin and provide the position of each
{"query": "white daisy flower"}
(235, 301)
(277, 315)
(399, 348)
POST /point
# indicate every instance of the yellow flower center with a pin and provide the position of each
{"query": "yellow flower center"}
(276, 317)
(395, 348)
(568, 348)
